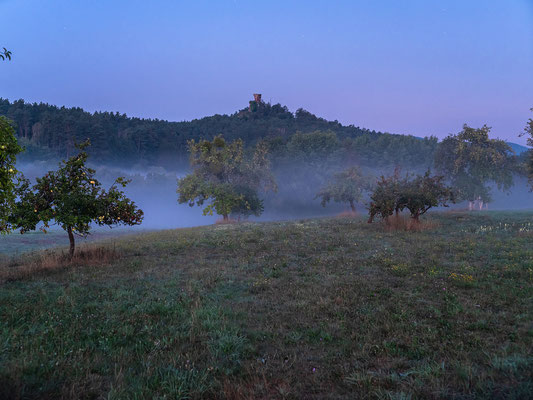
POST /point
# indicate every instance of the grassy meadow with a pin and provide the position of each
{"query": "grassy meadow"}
(15, 244)
(331, 308)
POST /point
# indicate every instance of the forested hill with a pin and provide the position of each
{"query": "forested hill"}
(50, 131)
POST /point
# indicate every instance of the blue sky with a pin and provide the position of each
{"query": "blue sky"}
(414, 67)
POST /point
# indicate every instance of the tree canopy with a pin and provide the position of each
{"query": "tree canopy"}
(472, 161)
(9, 149)
(50, 131)
(415, 193)
(347, 186)
(73, 198)
(528, 130)
(227, 176)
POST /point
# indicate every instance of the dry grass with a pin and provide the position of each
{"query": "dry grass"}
(348, 214)
(42, 263)
(404, 223)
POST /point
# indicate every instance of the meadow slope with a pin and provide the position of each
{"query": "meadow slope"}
(325, 308)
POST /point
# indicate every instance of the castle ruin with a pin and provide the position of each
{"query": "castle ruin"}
(255, 103)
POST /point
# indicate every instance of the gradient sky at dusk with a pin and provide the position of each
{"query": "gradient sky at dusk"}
(415, 66)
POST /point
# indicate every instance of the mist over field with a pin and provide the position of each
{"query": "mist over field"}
(266, 200)
(154, 191)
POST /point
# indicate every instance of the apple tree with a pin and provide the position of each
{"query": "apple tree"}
(226, 177)
(74, 199)
(347, 186)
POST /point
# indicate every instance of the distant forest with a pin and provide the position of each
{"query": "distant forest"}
(49, 131)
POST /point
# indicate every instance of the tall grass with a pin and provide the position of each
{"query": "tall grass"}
(44, 262)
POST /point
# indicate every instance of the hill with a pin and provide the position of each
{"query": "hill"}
(315, 309)
(517, 148)
(50, 130)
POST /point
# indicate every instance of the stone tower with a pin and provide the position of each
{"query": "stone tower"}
(255, 103)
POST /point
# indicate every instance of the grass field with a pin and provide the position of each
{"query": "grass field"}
(327, 309)
(15, 244)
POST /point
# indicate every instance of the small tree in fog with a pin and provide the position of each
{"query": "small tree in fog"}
(9, 149)
(417, 194)
(72, 198)
(424, 192)
(470, 160)
(345, 187)
(226, 177)
(385, 198)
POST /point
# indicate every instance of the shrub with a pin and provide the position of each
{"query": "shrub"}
(417, 195)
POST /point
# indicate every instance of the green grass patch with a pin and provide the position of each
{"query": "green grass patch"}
(325, 308)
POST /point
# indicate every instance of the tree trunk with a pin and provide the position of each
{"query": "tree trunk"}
(352, 206)
(225, 217)
(72, 244)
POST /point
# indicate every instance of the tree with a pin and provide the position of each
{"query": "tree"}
(72, 198)
(471, 161)
(9, 149)
(5, 54)
(227, 177)
(417, 194)
(424, 192)
(528, 130)
(345, 187)
(385, 199)
(313, 148)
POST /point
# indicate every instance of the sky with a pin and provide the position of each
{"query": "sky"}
(412, 67)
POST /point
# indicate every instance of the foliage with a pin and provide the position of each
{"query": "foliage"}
(424, 192)
(345, 187)
(226, 175)
(5, 54)
(385, 199)
(117, 138)
(73, 198)
(120, 139)
(9, 149)
(470, 160)
(417, 194)
(313, 146)
(528, 130)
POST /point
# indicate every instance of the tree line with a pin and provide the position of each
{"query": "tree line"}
(52, 132)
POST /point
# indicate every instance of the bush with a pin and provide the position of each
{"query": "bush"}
(418, 195)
